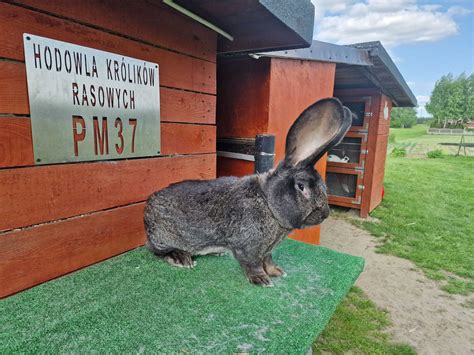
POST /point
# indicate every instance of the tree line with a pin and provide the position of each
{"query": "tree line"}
(452, 101)
(451, 104)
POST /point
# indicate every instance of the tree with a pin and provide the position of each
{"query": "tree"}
(452, 100)
(403, 117)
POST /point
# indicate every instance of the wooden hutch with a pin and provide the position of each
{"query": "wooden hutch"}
(355, 168)
(370, 91)
(265, 92)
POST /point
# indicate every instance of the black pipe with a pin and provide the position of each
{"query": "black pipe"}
(264, 152)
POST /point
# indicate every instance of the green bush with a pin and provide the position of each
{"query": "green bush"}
(399, 152)
(403, 117)
(437, 153)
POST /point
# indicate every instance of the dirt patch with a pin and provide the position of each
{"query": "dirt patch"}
(429, 319)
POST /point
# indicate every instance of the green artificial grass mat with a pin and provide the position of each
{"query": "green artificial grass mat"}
(137, 303)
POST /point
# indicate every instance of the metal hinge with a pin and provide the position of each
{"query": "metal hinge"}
(357, 202)
(364, 151)
(368, 114)
(361, 187)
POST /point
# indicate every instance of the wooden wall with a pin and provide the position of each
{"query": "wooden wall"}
(266, 96)
(377, 141)
(380, 144)
(294, 85)
(58, 218)
(243, 90)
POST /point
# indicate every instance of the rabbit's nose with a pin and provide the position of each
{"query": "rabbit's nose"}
(325, 212)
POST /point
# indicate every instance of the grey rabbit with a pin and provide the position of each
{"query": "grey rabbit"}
(249, 216)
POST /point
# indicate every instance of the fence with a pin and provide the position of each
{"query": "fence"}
(449, 131)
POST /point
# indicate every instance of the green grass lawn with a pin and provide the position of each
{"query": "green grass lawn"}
(428, 213)
(427, 216)
(417, 143)
(359, 327)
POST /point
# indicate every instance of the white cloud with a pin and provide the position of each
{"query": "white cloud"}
(421, 109)
(391, 22)
(458, 11)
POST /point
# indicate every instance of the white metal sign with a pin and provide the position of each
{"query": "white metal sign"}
(87, 104)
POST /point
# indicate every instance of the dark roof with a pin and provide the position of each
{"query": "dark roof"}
(359, 65)
(324, 52)
(257, 25)
(387, 73)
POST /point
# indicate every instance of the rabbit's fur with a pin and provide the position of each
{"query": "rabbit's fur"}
(249, 216)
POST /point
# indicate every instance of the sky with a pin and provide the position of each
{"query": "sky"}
(425, 38)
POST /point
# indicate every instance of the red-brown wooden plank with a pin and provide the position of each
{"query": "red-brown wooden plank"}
(15, 142)
(188, 107)
(39, 194)
(234, 167)
(244, 89)
(13, 88)
(176, 105)
(176, 70)
(154, 23)
(16, 146)
(35, 255)
(187, 139)
(293, 87)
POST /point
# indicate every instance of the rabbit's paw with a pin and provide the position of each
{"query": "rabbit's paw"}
(275, 271)
(180, 258)
(261, 280)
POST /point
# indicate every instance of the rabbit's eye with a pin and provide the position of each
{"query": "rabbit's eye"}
(300, 186)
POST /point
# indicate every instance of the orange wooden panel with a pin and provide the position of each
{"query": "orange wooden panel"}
(176, 70)
(34, 195)
(154, 23)
(370, 161)
(16, 146)
(378, 172)
(384, 129)
(243, 93)
(376, 193)
(311, 235)
(234, 167)
(31, 256)
(294, 85)
(15, 142)
(176, 105)
(321, 166)
(384, 124)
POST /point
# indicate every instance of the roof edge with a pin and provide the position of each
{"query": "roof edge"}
(376, 49)
(324, 52)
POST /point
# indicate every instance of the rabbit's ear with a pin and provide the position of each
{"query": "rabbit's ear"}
(319, 128)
